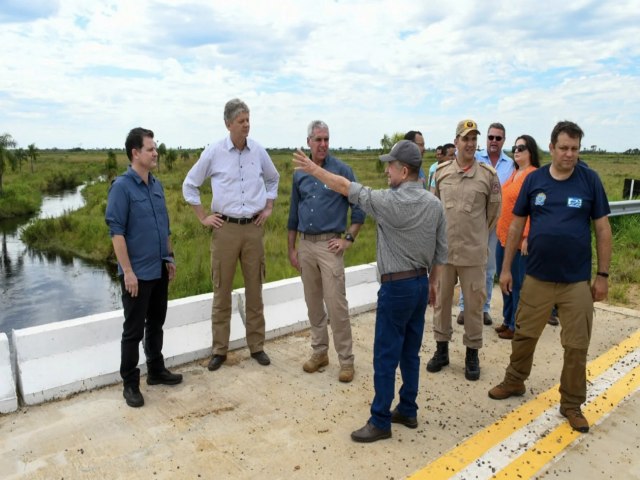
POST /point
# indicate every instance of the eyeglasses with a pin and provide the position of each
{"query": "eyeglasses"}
(497, 138)
(519, 148)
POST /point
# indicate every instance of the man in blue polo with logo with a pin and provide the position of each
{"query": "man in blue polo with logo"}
(562, 201)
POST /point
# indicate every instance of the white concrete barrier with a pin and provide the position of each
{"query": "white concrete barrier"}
(62, 358)
(8, 398)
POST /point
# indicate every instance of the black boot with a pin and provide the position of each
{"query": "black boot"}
(440, 358)
(472, 365)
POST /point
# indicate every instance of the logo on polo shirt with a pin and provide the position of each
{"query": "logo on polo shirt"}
(574, 202)
(540, 199)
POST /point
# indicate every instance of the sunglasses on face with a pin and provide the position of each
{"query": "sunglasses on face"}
(519, 148)
(497, 138)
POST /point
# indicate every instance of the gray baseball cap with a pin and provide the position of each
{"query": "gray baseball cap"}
(404, 151)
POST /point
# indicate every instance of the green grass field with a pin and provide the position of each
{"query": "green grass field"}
(84, 233)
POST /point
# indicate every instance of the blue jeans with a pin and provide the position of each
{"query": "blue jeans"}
(491, 272)
(398, 337)
(518, 271)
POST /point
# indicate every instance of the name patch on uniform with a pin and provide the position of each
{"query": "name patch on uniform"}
(540, 199)
(574, 202)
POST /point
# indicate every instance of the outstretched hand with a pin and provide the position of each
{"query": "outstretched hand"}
(302, 162)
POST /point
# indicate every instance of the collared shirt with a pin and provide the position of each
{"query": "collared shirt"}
(138, 211)
(504, 167)
(315, 208)
(471, 200)
(241, 180)
(410, 223)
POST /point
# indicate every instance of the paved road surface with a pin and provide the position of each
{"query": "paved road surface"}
(246, 421)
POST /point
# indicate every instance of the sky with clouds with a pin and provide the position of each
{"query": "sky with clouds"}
(81, 73)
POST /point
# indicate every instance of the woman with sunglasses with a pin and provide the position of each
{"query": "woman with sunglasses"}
(525, 154)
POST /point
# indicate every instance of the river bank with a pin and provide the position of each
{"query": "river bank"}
(43, 287)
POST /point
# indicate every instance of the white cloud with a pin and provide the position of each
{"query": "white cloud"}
(84, 72)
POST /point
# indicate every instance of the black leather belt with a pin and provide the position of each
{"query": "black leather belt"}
(388, 277)
(239, 221)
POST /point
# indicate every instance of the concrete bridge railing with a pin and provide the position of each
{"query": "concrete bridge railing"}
(58, 359)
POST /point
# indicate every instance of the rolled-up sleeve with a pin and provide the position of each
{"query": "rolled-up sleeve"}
(117, 212)
(195, 178)
(270, 175)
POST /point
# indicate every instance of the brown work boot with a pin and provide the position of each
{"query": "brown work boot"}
(506, 390)
(316, 361)
(346, 373)
(576, 419)
(506, 334)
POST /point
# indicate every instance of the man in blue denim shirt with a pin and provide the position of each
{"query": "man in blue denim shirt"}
(139, 227)
(320, 215)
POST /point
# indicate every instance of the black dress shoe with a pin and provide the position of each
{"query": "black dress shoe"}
(216, 361)
(370, 433)
(164, 377)
(409, 422)
(261, 357)
(133, 396)
(486, 318)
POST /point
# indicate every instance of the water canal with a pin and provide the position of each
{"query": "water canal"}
(38, 288)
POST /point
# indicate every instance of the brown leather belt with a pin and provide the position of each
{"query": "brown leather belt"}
(388, 277)
(239, 221)
(317, 237)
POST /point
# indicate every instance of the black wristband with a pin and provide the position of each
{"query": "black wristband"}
(602, 274)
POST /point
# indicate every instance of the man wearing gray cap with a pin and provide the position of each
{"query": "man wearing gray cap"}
(471, 197)
(411, 242)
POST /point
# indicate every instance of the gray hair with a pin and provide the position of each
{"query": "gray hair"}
(497, 126)
(319, 124)
(233, 108)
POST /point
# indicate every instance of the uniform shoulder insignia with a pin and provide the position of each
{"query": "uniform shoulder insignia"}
(444, 164)
(488, 167)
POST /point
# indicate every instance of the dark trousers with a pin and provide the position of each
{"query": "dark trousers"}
(398, 337)
(144, 317)
(518, 271)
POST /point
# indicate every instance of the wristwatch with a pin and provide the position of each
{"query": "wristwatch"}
(349, 238)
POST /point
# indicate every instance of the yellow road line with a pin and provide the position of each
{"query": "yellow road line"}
(543, 451)
(459, 457)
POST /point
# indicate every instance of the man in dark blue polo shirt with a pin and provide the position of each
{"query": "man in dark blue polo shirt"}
(139, 227)
(562, 201)
(320, 215)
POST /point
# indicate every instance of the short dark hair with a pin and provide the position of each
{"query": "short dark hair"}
(447, 146)
(532, 146)
(497, 126)
(411, 135)
(570, 128)
(439, 147)
(135, 139)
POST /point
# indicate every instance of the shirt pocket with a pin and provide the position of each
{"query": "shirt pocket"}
(159, 204)
(472, 201)
(140, 206)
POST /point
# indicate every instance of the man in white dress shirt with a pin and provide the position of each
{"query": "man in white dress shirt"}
(244, 183)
